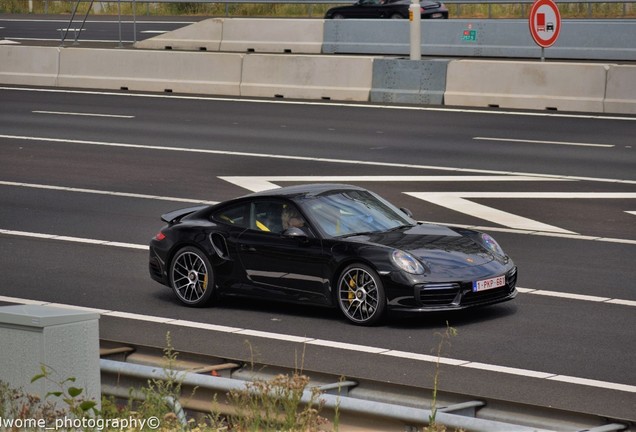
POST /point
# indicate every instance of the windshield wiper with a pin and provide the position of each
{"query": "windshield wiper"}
(356, 234)
(399, 227)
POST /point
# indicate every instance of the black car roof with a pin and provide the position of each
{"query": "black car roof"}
(307, 190)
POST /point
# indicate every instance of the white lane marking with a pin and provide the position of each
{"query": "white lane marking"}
(345, 346)
(500, 217)
(543, 233)
(103, 192)
(315, 103)
(476, 227)
(528, 141)
(263, 183)
(593, 383)
(631, 212)
(96, 21)
(73, 239)
(457, 201)
(570, 296)
(154, 31)
(510, 370)
(83, 114)
(305, 158)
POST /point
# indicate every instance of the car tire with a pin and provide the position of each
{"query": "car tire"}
(397, 16)
(192, 277)
(360, 295)
(338, 16)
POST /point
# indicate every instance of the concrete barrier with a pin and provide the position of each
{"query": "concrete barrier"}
(307, 77)
(201, 36)
(406, 81)
(29, 65)
(526, 85)
(273, 35)
(158, 71)
(620, 96)
(587, 39)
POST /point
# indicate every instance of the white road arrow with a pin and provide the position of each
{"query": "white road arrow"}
(263, 183)
(458, 201)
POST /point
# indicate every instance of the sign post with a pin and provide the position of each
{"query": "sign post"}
(545, 24)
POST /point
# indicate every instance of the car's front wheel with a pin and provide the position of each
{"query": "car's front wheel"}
(338, 16)
(192, 277)
(361, 295)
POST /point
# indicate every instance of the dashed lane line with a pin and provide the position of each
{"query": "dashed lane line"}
(104, 192)
(304, 158)
(341, 346)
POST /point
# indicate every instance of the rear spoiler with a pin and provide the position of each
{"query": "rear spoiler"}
(175, 215)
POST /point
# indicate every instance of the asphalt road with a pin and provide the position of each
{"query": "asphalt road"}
(97, 28)
(84, 177)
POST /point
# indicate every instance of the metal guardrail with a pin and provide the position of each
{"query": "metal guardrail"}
(125, 370)
(628, 8)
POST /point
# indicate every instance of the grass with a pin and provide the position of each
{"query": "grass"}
(476, 11)
(262, 405)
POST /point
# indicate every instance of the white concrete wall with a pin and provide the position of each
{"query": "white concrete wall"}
(527, 85)
(273, 35)
(533, 85)
(29, 65)
(620, 95)
(307, 77)
(205, 35)
(158, 71)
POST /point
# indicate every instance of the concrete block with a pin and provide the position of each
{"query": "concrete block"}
(179, 72)
(307, 77)
(620, 96)
(406, 81)
(65, 341)
(28, 65)
(526, 85)
(272, 35)
(201, 36)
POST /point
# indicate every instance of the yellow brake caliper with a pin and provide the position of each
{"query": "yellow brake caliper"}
(352, 294)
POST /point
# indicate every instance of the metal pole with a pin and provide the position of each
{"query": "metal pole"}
(119, 15)
(134, 7)
(415, 20)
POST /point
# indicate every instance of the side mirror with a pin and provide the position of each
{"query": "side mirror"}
(407, 212)
(295, 232)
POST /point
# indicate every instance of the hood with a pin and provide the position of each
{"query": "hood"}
(439, 247)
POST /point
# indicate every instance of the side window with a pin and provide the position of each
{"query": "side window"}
(276, 216)
(237, 215)
(267, 216)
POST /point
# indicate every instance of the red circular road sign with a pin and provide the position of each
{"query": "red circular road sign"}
(545, 22)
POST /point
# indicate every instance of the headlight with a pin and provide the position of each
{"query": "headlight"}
(490, 244)
(407, 262)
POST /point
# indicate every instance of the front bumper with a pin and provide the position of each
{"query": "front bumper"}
(429, 297)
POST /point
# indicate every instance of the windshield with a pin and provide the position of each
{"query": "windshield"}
(350, 212)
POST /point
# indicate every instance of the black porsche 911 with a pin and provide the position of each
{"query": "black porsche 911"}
(326, 244)
(387, 9)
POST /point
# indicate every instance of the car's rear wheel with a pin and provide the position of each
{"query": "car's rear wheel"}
(192, 277)
(338, 16)
(397, 16)
(361, 295)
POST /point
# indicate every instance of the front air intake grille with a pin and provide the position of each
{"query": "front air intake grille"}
(437, 294)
